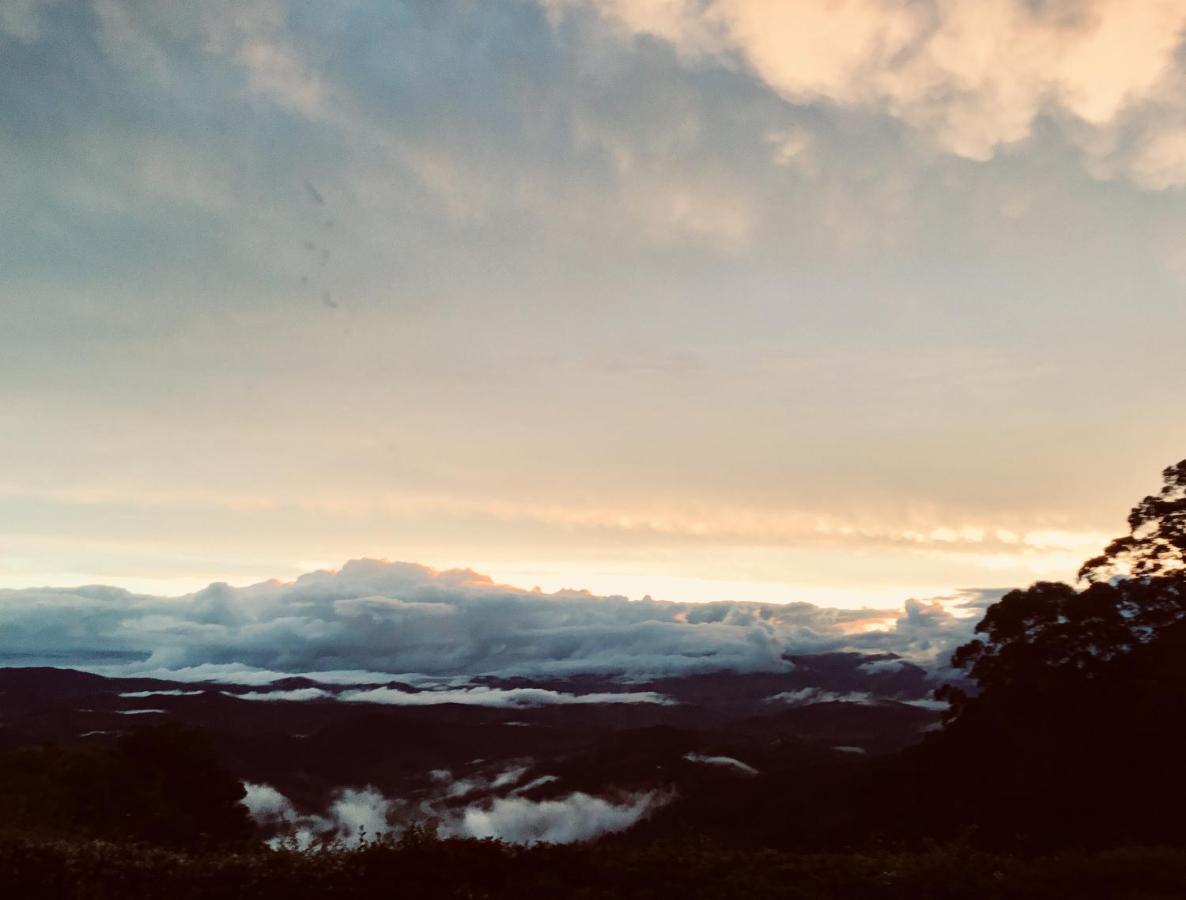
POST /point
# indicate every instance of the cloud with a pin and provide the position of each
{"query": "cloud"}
(361, 813)
(535, 783)
(883, 666)
(358, 814)
(498, 697)
(849, 749)
(298, 695)
(141, 694)
(509, 777)
(472, 696)
(21, 19)
(972, 74)
(266, 805)
(928, 703)
(807, 695)
(374, 617)
(576, 817)
(723, 762)
(354, 815)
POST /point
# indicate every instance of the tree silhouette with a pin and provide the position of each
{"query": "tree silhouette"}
(173, 790)
(1051, 635)
(161, 784)
(1077, 690)
(1156, 543)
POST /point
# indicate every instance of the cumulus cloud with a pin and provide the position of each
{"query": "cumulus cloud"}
(373, 620)
(380, 617)
(973, 74)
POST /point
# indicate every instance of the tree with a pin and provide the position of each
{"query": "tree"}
(1077, 690)
(1156, 543)
(1051, 636)
(161, 784)
(173, 789)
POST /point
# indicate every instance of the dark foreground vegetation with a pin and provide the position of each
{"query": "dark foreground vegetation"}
(420, 866)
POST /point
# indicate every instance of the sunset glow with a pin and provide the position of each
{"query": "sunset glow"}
(845, 303)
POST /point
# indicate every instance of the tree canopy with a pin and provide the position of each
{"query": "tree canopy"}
(161, 784)
(1156, 543)
(1053, 637)
(1078, 689)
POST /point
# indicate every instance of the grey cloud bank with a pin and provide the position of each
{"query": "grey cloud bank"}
(497, 697)
(373, 620)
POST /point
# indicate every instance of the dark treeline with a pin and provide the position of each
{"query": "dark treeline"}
(161, 785)
(420, 866)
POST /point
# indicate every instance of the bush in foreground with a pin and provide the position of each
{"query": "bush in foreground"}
(420, 866)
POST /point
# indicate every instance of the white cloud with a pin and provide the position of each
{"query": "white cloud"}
(973, 74)
(577, 817)
(928, 703)
(534, 783)
(266, 805)
(509, 777)
(722, 762)
(361, 814)
(357, 814)
(354, 815)
(300, 694)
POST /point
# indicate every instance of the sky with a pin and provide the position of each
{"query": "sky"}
(741, 300)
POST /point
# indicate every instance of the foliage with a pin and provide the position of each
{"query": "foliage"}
(1156, 543)
(161, 784)
(425, 867)
(1080, 711)
(1053, 640)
